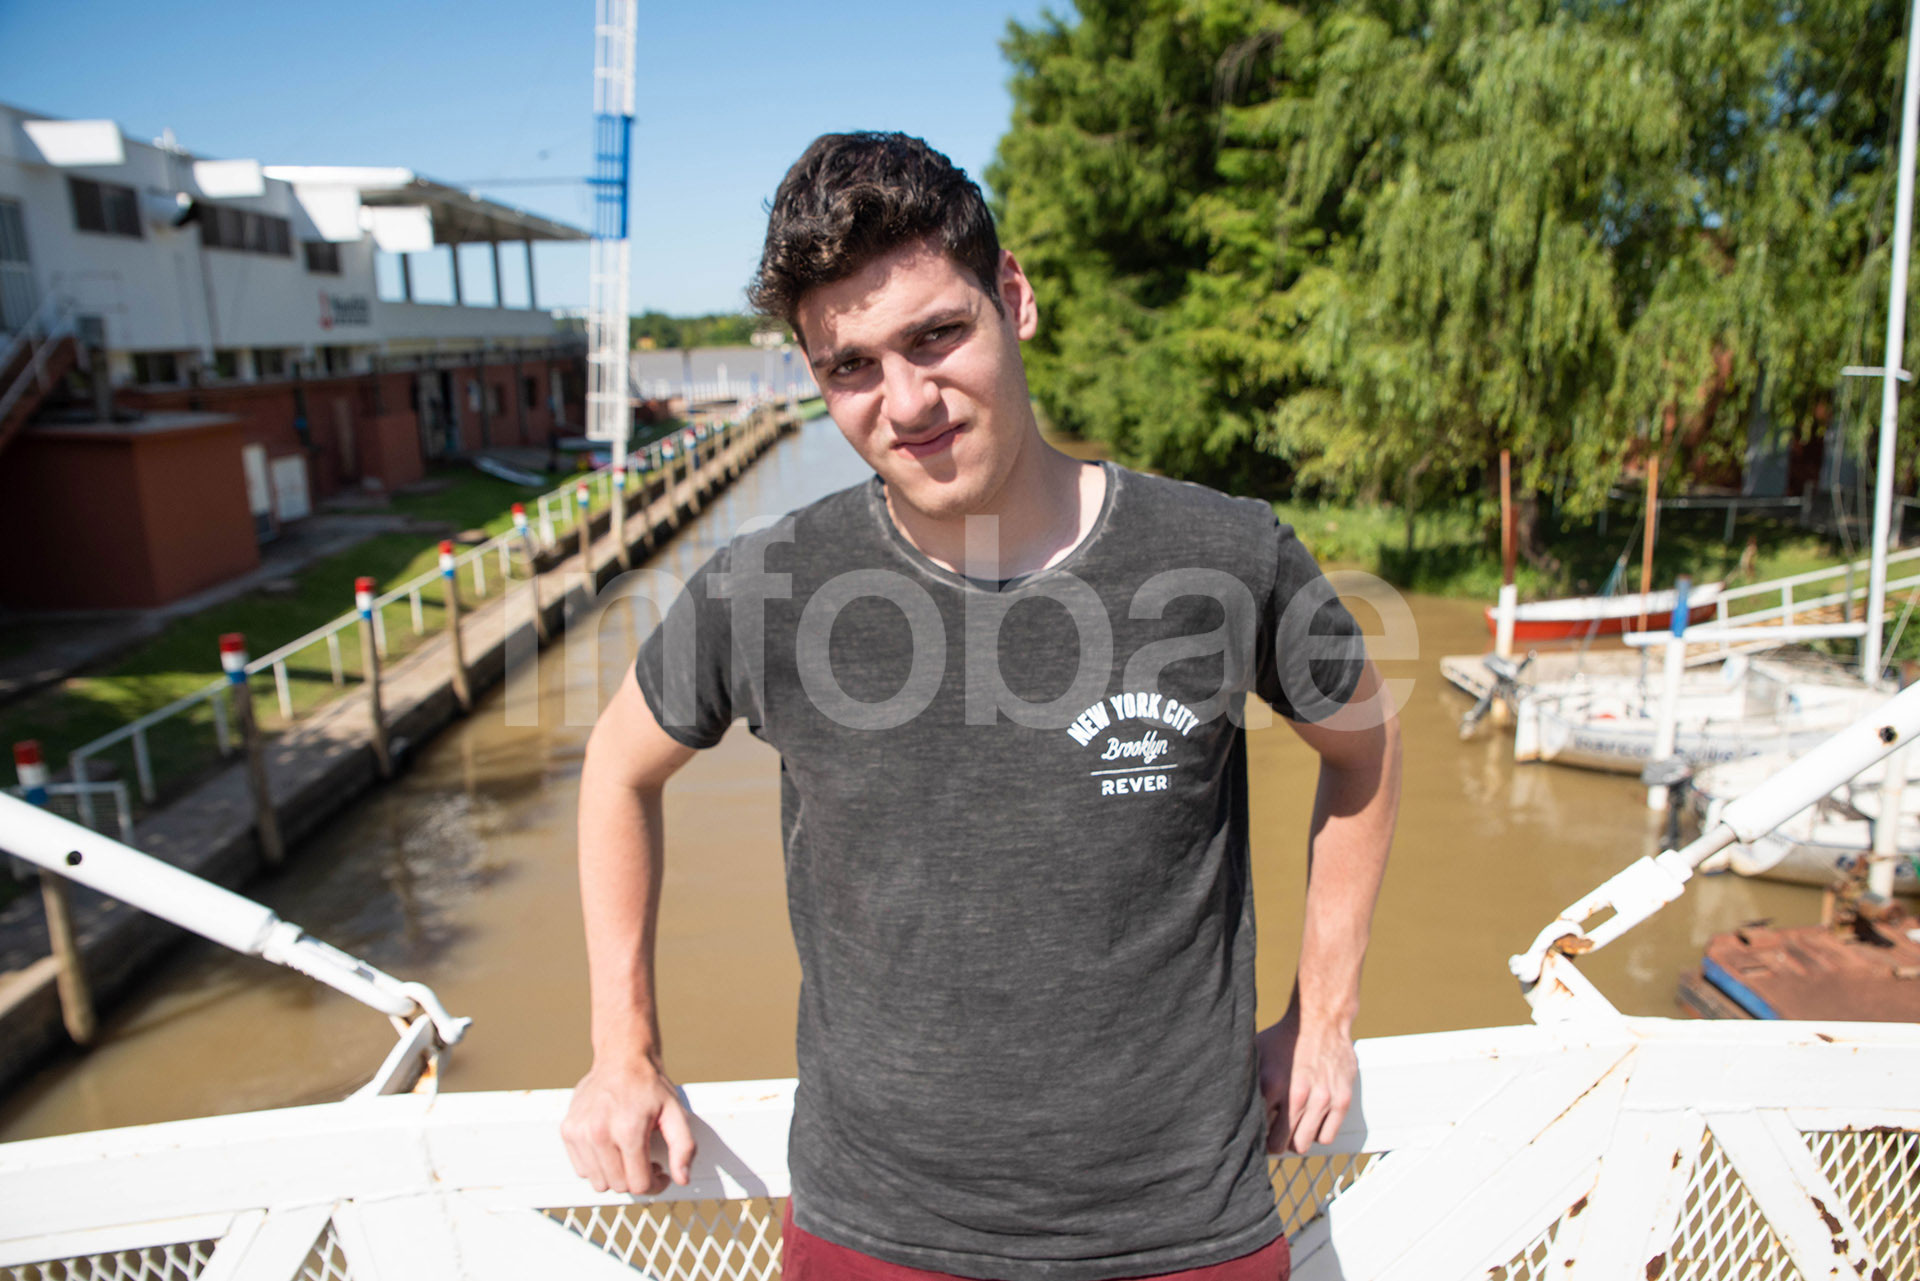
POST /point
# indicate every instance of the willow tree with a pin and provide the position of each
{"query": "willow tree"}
(1383, 241)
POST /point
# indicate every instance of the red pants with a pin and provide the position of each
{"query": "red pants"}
(805, 1257)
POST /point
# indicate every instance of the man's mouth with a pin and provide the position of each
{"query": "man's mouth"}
(930, 445)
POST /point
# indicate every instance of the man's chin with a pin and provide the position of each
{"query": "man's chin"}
(945, 493)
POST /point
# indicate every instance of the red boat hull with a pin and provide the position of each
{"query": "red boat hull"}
(1552, 629)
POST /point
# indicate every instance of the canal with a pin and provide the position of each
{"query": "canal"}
(461, 875)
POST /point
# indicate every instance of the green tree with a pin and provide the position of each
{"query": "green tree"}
(1381, 241)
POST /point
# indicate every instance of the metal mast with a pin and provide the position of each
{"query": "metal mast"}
(1895, 363)
(609, 411)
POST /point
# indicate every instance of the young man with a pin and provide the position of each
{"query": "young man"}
(1006, 687)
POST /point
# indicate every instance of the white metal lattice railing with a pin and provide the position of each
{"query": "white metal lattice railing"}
(1598, 1149)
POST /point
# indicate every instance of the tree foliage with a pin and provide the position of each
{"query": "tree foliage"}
(722, 329)
(1379, 241)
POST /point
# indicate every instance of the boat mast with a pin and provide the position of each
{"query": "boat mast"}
(1894, 367)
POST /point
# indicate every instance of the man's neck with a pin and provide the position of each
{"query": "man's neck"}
(1047, 505)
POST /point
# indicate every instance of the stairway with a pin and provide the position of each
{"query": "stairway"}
(32, 363)
(27, 381)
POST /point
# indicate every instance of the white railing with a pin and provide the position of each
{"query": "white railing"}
(51, 321)
(1794, 601)
(557, 512)
(748, 388)
(64, 799)
(1523, 1152)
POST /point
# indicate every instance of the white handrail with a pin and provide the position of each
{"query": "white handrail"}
(1649, 884)
(232, 920)
(1812, 576)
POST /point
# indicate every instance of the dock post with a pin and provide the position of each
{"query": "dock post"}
(583, 498)
(619, 517)
(1667, 728)
(76, 1000)
(533, 572)
(462, 689)
(647, 470)
(1886, 828)
(672, 456)
(693, 473)
(266, 822)
(363, 592)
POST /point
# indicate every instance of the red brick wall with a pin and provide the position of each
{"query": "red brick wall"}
(347, 440)
(120, 520)
(197, 528)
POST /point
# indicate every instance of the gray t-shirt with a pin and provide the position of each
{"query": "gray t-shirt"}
(1015, 823)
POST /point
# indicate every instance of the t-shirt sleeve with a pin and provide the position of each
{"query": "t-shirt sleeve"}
(1311, 651)
(685, 667)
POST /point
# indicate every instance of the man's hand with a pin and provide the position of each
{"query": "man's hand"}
(1306, 1077)
(610, 1124)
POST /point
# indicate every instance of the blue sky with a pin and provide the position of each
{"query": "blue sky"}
(728, 95)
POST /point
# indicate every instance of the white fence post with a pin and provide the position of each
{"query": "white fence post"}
(143, 764)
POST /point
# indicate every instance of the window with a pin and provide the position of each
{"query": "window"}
(150, 367)
(323, 257)
(529, 391)
(225, 228)
(269, 362)
(337, 360)
(105, 207)
(226, 364)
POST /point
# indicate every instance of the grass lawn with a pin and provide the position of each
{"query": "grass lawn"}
(1454, 550)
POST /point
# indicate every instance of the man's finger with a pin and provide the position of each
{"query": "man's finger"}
(1306, 1123)
(634, 1161)
(677, 1128)
(1336, 1115)
(586, 1162)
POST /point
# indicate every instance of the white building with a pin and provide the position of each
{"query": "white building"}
(201, 271)
(252, 365)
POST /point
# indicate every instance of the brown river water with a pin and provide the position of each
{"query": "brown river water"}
(461, 875)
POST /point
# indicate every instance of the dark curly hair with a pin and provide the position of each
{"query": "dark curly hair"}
(852, 197)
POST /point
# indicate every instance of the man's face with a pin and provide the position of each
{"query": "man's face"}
(923, 375)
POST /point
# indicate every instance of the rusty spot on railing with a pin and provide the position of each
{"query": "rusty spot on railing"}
(1656, 1265)
(1573, 1211)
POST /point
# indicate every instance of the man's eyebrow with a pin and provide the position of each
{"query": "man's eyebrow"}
(939, 320)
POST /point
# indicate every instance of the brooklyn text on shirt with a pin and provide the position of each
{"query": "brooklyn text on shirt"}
(1129, 762)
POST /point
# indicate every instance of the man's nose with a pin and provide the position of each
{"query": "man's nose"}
(912, 395)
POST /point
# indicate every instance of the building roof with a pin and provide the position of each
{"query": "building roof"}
(459, 217)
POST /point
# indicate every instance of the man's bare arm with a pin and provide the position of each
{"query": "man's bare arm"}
(1307, 1064)
(626, 1095)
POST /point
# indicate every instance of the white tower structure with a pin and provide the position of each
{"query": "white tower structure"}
(609, 410)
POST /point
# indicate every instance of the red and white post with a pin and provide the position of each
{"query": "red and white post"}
(266, 820)
(364, 591)
(63, 941)
(450, 585)
(521, 527)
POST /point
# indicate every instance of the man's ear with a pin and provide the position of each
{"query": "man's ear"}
(1016, 297)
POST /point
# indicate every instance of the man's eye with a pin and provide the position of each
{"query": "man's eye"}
(942, 334)
(847, 367)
